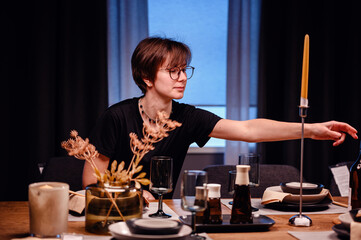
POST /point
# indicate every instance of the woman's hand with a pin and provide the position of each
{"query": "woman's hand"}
(147, 195)
(332, 130)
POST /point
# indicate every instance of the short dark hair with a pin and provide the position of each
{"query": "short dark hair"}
(151, 53)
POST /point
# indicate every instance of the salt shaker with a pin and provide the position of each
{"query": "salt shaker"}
(214, 210)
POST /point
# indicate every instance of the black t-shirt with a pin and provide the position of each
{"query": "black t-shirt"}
(111, 133)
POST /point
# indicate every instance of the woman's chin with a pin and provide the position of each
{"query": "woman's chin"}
(178, 96)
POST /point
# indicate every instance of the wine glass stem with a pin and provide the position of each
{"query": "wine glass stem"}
(160, 202)
(193, 222)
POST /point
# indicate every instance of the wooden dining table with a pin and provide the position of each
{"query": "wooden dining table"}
(14, 223)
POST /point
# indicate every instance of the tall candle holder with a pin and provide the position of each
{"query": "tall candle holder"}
(300, 220)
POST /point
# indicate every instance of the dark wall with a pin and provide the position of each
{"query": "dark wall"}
(334, 28)
(54, 79)
(54, 72)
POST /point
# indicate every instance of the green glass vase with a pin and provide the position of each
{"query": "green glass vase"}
(109, 204)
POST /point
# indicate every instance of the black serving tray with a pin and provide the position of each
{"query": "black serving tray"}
(314, 207)
(260, 223)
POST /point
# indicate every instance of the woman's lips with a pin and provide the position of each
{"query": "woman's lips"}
(179, 88)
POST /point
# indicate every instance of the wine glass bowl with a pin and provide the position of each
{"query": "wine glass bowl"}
(231, 181)
(161, 171)
(253, 160)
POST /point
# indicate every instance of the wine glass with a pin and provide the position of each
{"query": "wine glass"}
(194, 195)
(251, 159)
(161, 169)
(231, 181)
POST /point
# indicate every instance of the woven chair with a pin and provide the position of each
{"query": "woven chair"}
(64, 169)
(270, 175)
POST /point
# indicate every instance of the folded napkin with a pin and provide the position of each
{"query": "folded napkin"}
(275, 194)
(77, 202)
(270, 196)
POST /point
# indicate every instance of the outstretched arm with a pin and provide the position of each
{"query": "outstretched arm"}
(265, 130)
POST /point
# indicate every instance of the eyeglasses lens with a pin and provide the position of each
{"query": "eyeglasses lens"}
(176, 72)
(189, 72)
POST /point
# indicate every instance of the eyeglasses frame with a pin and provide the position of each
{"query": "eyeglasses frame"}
(179, 71)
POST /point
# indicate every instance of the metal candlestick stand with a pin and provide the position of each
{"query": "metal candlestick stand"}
(300, 220)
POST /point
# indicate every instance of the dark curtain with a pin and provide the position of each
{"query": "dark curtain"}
(55, 80)
(334, 28)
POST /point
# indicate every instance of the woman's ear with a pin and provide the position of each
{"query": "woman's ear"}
(148, 82)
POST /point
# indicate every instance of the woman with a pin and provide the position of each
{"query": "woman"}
(161, 68)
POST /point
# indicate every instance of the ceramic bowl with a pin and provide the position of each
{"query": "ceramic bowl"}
(307, 188)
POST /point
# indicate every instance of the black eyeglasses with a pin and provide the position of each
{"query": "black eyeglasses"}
(175, 72)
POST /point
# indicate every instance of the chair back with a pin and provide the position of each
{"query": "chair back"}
(64, 169)
(270, 175)
(220, 174)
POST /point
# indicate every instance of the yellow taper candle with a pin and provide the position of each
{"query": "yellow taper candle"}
(304, 86)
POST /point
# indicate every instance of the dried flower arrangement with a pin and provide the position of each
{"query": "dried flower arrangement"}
(82, 149)
(118, 176)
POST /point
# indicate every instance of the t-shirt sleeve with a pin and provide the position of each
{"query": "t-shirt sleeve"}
(103, 135)
(202, 124)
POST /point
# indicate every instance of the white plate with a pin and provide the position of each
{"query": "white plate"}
(297, 185)
(307, 199)
(346, 219)
(120, 230)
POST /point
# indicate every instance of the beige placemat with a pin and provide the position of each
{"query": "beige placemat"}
(153, 207)
(321, 235)
(70, 237)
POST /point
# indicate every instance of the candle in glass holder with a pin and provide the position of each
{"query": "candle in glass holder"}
(48, 208)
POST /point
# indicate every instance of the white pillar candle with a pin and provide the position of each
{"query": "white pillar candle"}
(48, 208)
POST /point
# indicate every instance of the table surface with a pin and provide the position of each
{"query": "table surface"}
(14, 223)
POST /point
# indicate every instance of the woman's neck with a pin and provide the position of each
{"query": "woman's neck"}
(151, 106)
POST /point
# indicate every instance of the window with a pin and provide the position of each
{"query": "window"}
(202, 25)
